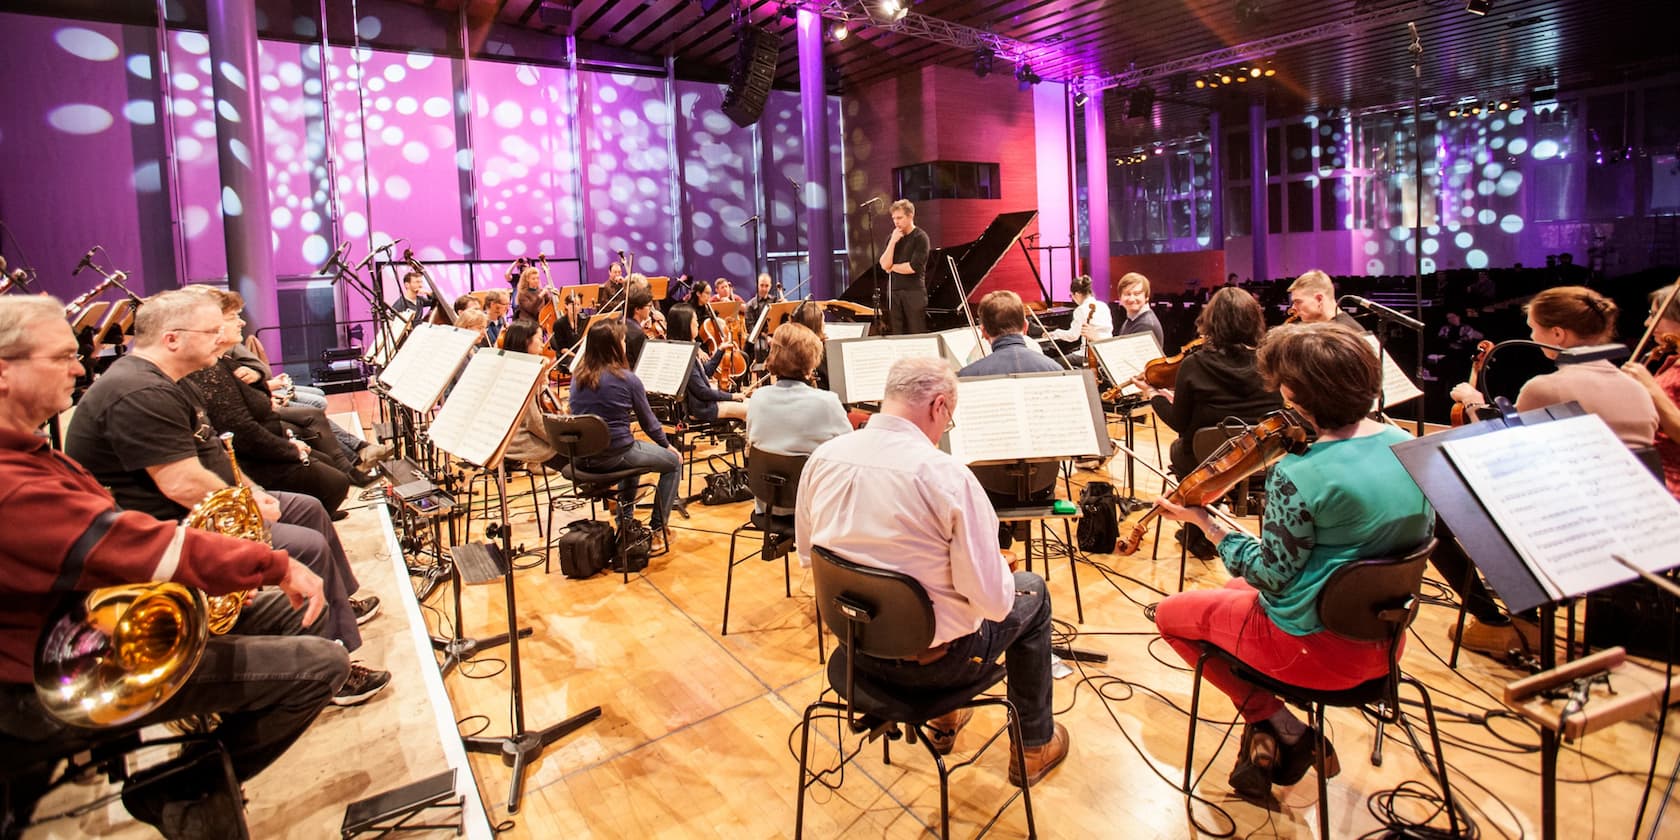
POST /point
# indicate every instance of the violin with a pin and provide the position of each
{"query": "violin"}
(1461, 412)
(1262, 445)
(1163, 372)
(1663, 348)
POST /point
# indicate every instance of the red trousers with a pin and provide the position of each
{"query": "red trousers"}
(1232, 619)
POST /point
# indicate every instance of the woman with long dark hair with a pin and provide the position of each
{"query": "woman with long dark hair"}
(703, 401)
(604, 385)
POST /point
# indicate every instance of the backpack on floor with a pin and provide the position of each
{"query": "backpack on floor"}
(1099, 523)
(586, 547)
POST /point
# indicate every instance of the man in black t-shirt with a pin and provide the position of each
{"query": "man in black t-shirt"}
(145, 434)
(905, 262)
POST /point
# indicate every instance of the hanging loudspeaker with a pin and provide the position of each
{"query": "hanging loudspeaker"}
(752, 74)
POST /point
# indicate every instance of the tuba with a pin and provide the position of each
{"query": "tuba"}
(117, 653)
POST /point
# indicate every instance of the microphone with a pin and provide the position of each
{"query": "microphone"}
(1384, 312)
(386, 248)
(875, 200)
(1417, 43)
(337, 258)
(87, 261)
(750, 220)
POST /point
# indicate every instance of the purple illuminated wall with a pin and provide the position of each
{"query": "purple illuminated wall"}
(720, 181)
(627, 173)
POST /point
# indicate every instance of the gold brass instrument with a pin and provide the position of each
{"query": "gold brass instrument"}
(117, 653)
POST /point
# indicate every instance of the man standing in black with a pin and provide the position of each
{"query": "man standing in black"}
(905, 262)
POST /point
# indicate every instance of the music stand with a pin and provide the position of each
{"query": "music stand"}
(659, 287)
(726, 309)
(588, 294)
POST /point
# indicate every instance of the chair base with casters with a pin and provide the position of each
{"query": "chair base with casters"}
(886, 614)
(774, 480)
(1365, 600)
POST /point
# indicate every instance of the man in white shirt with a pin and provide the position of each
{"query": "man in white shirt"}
(886, 496)
(1091, 320)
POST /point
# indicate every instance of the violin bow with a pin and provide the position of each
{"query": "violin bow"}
(1215, 510)
(1667, 302)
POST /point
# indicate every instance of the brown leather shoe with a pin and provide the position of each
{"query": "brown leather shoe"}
(1496, 640)
(1041, 759)
(942, 731)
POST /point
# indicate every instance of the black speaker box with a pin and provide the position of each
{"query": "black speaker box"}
(752, 74)
(1636, 615)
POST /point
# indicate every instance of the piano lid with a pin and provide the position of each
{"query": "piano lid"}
(975, 261)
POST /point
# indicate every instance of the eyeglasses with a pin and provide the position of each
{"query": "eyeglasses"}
(216, 331)
(65, 359)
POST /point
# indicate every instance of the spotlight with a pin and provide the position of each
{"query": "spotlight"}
(1270, 70)
(1242, 77)
(1201, 83)
(983, 62)
(1505, 106)
(1080, 98)
(838, 31)
(1025, 78)
(1255, 72)
(1225, 77)
(1452, 112)
(1478, 7)
(891, 11)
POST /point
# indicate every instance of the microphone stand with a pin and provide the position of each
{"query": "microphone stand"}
(1387, 316)
(1416, 49)
(881, 321)
(962, 302)
(1033, 316)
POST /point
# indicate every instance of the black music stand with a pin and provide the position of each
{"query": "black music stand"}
(1492, 553)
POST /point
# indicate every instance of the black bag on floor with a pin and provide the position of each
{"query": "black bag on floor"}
(585, 548)
(726, 487)
(1099, 523)
(636, 542)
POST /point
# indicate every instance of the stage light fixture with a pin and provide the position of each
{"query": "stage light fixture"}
(1452, 112)
(839, 31)
(1255, 71)
(983, 62)
(890, 11)
(1080, 98)
(1025, 78)
(1225, 77)
(1478, 7)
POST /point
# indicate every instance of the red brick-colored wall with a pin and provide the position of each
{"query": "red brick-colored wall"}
(943, 113)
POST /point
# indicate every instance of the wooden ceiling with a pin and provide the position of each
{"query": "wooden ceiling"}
(1328, 54)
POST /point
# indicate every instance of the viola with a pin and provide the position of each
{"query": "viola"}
(1461, 412)
(1163, 372)
(1280, 433)
(1663, 348)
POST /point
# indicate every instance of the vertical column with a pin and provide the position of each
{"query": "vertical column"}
(1216, 181)
(241, 158)
(1258, 217)
(813, 107)
(1096, 193)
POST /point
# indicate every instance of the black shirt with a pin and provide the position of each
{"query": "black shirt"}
(1345, 320)
(133, 417)
(1144, 322)
(912, 248)
(566, 336)
(1213, 385)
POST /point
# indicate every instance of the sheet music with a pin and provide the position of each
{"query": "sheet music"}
(663, 367)
(1006, 418)
(1568, 494)
(865, 362)
(846, 329)
(426, 362)
(1397, 387)
(963, 345)
(1124, 356)
(487, 404)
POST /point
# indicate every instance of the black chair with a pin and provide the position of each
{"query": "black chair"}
(1022, 493)
(1366, 600)
(887, 615)
(580, 436)
(1248, 498)
(774, 480)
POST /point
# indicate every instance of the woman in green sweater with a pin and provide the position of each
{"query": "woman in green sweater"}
(1345, 499)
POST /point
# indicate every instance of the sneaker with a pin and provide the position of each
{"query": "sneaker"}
(942, 731)
(362, 684)
(365, 608)
(1041, 759)
(373, 453)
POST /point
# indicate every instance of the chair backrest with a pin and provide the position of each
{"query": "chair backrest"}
(255, 345)
(1372, 600)
(773, 478)
(577, 435)
(1648, 456)
(889, 613)
(1005, 479)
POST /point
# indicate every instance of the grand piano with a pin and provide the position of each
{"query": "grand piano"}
(974, 261)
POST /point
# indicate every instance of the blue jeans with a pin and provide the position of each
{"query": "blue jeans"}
(1022, 639)
(309, 395)
(646, 457)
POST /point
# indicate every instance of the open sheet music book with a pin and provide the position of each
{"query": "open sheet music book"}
(963, 345)
(1397, 387)
(1567, 494)
(664, 366)
(425, 363)
(846, 329)
(1027, 416)
(479, 418)
(1124, 356)
(857, 367)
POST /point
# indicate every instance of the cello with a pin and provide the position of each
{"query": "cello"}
(1282, 432)
(1461, 413)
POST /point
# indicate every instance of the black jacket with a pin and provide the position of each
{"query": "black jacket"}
(1213, 385)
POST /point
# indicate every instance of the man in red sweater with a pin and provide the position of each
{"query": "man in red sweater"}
(61, 533)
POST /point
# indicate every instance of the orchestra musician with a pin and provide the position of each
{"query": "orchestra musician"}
(614, 286)
(725, 291)
(62, 532)
(1217, 381)
(1564, 316)
(1345, 499)
(495, 315)
(530, 295)
(413, 297)
(604, 385)
(1091, 320)
(789, 416)
(702, 401)
(568, 328)
(529, 443)
(1664, 385)
(638, 319)
(1134, 299)
(768, 293)
(1312, 297)
(886, 496)
(905, 260)
(478, 321)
